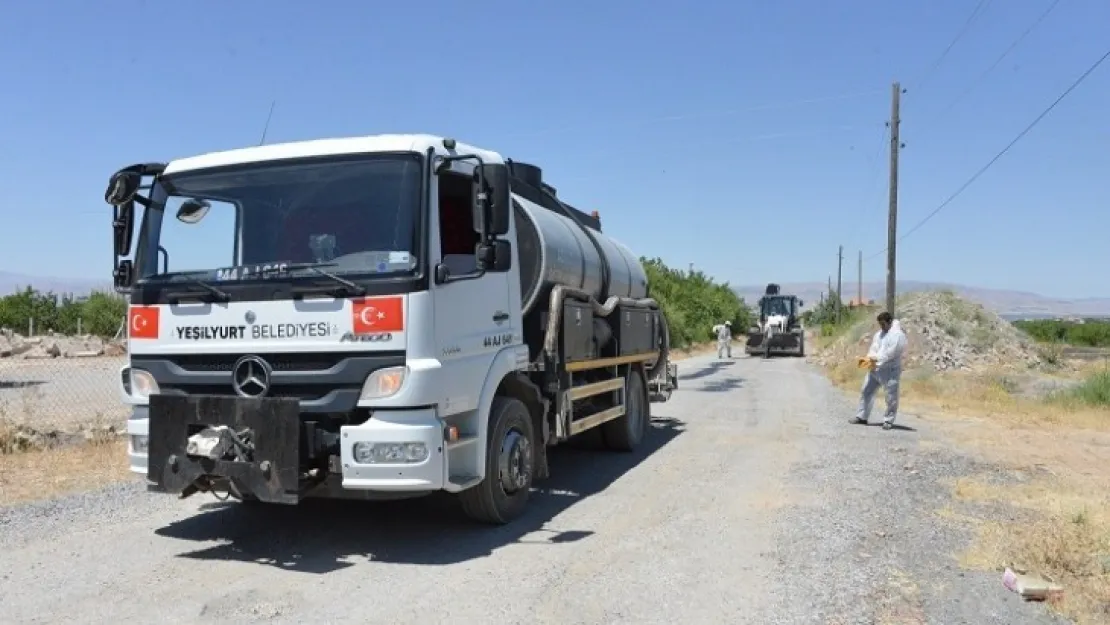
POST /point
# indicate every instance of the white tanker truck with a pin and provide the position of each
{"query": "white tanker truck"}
(373, 317)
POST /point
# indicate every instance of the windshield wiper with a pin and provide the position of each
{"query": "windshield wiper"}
(316, 268)
(222, 295)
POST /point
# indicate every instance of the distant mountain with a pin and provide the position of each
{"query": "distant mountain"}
(1010, 304)
(12, 282)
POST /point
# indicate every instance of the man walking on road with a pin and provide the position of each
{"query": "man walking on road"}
(885, 364)
(724, 339)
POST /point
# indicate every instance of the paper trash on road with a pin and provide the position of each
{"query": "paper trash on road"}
(1031, 587)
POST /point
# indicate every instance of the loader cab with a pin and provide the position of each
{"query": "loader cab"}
(783, 305)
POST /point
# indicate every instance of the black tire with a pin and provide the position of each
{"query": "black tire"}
(626, 433)
(491, 501)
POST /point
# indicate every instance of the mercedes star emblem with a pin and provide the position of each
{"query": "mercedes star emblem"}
(250, 377)
(249, 316)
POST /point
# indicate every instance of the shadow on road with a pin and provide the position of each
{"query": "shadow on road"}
(896, 426)
(720, 386)
(10, 384)
(707, 370)
(320, 536)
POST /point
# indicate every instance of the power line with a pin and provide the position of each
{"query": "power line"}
(978, 80)
(1006, 149)
(959, 35)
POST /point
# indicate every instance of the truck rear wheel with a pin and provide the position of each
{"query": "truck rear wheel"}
(626, 433)
(503, 494)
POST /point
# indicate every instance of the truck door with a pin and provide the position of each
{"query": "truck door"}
(473, 317)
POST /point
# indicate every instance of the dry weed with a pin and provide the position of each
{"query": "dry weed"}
(1068, 542)
(38, 465)
(48, 473)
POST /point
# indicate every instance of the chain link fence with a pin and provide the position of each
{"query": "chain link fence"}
(53, 382)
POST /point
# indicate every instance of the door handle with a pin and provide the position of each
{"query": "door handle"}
(500, 316)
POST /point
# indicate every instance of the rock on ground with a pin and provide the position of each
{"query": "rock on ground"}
(944, 332)
(51, 345)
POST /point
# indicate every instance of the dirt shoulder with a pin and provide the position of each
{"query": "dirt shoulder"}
(1035, 491)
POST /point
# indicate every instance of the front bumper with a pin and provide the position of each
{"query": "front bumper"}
(404, 426)
(418, 426)
(272, 472)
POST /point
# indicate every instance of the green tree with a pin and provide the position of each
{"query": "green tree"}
(1090, 333)
(100, 313)
(693, 302)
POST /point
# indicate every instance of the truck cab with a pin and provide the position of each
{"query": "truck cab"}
(331, 318)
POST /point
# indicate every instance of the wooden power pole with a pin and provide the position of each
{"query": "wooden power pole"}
(859, 283)
(892, 220)
(839, 282)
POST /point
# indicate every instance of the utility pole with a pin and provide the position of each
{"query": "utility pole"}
(859, 268)
(892, 220)
(839, 283)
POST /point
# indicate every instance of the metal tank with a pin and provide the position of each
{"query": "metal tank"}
(555, 250)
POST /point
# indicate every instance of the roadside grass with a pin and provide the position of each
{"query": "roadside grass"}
(826, 334)
(1067, 538)
(51, 473)
(1082, 401)
(38, 465)
(1054, 428)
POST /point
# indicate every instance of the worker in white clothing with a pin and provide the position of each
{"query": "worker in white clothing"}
(884, 363)
(724, 339)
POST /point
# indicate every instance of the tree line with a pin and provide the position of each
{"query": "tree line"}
(1090, 333)
(30, 310)
(692, 301)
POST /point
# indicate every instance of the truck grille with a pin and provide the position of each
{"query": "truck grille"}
(323, 382)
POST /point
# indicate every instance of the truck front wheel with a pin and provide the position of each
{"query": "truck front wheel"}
(626, 432)
(503, 494)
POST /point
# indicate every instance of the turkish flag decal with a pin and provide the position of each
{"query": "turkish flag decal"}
(142, 322)
(378, 314)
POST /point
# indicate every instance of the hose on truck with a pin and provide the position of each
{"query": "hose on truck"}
(555, 316)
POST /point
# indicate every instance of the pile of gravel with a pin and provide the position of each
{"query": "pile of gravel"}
(944, 332)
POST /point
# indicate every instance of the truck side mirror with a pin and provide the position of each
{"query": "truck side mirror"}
(123, 226)
(492, 199)
(193, 210)
(123, 275)
(121, 191)
(496, 256)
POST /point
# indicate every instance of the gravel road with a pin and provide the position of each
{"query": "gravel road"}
(754, 501)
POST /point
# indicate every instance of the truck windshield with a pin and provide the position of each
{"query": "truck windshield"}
(352, 214)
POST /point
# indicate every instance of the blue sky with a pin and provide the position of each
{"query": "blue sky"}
(738, 136)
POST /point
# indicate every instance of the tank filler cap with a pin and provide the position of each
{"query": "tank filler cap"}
(448, 143)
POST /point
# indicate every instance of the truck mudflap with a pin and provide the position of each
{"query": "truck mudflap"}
(252, 445)
(661, 385)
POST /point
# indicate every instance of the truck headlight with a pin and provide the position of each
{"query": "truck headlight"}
(366, 452)
(142, 384)
(383, 383)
